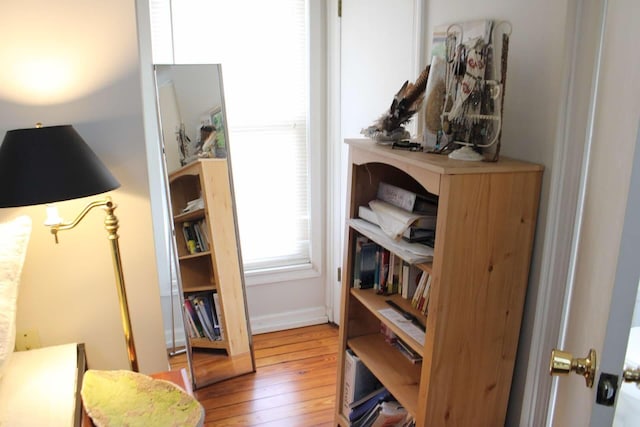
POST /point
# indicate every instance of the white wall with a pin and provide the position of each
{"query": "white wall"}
(68, 291)
(532, 106)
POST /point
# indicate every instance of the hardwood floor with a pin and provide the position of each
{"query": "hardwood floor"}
(294, 383)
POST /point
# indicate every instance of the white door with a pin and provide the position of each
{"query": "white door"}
(379, 50)
(606, 266)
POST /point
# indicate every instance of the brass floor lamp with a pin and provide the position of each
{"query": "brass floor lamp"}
(50, 164)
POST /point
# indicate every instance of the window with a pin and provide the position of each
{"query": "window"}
(263, 49)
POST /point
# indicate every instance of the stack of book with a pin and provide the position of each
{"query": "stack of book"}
(415, 214)
(391, 338)
(377, 268)
(420, 299)
(202, 317)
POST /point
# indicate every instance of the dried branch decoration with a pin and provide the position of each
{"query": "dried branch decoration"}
(405, 104)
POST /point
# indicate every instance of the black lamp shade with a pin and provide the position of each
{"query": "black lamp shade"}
(49, 164)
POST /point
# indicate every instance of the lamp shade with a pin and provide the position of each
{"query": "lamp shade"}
(49, 164)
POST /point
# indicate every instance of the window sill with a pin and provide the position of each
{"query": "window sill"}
(280, 274)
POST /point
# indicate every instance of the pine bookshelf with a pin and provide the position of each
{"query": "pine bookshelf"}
(216, 269)
(486, 219)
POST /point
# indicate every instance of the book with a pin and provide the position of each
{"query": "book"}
(194, 329)
(410, 226)
(208, 302)
(368, 418)
(394, 277)
(368, 264)
(383, 267)
(406, 199)
(358, 381)
(391, 414)
(205, 233)
(359, 414)
(426, 295)
(201, 241)
(415, 300)
(419, 235)
(189, 238)
(195, 319)
(407, 351)
(216, 304)
(372, 395)
(357, 260)
(423, 295)
(411, 277)
(214, 316)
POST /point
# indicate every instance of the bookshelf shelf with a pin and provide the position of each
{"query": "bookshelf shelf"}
(374, 302)
(203, 288)
(196, 255)
(401, 377)
(189, 216)
(215, 271)
(479, 267)
(207, 343)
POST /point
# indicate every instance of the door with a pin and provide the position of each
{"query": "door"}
(368, 82)
(603, 281)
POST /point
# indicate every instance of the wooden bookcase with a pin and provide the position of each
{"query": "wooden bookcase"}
(217, 269)
(484, 236)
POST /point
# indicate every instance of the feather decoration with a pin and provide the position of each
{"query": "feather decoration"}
(406, 102)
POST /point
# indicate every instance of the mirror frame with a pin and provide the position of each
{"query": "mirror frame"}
(173, 258)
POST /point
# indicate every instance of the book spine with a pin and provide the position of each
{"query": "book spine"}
(216, 304)
(205, 233)
(368, 264)
(191, 313)
(214, 315)
(349, 380)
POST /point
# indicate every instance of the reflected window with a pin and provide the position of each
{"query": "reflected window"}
(264, 51)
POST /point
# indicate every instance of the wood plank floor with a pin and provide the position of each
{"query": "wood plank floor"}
(294, 383)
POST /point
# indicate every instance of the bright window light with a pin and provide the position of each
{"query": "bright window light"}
(263, 49)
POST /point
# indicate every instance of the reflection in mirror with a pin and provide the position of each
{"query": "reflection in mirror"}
(208, 264)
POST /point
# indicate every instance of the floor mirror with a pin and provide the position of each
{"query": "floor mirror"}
(210, 301)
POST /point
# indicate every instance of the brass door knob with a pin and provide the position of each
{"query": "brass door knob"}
(632, 376)
(562, 363)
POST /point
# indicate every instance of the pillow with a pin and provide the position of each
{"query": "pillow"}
(14, 237)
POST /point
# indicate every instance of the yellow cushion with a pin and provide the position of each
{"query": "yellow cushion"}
(117, 398)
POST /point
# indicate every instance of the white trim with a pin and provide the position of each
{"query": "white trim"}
(419, 29)
(280, 274)
(288, 320)
(181, 338)
(316, 156)
(334, 162)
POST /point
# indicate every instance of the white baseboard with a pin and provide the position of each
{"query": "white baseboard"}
(181, 339)
(288, 320)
